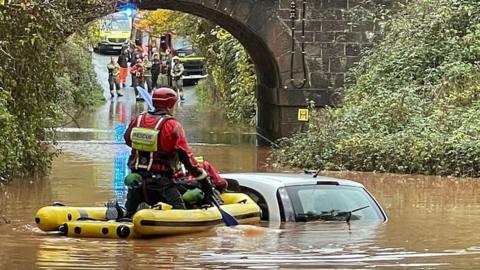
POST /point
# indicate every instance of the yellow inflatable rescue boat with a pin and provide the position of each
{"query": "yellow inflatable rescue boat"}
(154, 222)
(90, 221)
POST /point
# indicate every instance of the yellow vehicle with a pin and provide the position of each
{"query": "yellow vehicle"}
(194, 65)
(114, 32)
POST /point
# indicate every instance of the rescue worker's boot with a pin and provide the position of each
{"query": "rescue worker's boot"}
(117, 87)
(180, 91)
(114, 211)
(143, 205)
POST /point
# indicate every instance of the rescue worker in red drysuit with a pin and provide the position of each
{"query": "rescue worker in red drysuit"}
(157, 168)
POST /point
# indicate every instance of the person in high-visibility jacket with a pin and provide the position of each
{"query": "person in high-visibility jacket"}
(177, 76)
(114, 77)
(123, 60)
(158, 144)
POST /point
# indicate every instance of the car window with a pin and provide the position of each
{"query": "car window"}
(314, 202)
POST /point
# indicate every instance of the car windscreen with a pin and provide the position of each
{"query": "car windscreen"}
(333, 203)
(181, 42)
(115, 25)
(183, 46)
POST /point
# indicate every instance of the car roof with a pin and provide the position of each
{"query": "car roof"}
(288, 179)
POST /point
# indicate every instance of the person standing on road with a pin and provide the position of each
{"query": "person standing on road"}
(155, 69)
(177, 76)
(135, 55)
(163, 77)
(123, 60)
(138, 79)
(114, 77)
(167, 60)
(148, 74)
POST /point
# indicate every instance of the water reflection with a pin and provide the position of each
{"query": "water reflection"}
(120, 160)
(290, 247)
(201, 125)
(120, 171)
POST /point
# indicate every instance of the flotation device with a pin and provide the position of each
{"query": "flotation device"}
(90, 221)
(50, 218)
(167, 222)
(99, 229)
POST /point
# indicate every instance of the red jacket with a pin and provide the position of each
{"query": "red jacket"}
(137, 70)
(171, 141)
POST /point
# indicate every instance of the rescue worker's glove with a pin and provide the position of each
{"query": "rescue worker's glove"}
(221, 187)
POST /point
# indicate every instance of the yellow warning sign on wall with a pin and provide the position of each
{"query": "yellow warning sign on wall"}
(303, 115)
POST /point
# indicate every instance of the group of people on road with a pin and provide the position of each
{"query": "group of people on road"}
(159, 156)
(155, 72)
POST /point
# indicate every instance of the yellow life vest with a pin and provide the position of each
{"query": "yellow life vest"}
(145, 140)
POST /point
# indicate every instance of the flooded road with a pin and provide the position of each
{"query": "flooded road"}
(432, 221)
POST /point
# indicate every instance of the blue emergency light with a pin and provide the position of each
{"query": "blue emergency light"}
(128, 8)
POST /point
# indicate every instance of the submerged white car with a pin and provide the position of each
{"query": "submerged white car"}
(302, 197)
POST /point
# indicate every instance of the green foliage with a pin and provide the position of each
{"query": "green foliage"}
(90, 34)
(76, 84)
(9, 142)
(234, 77)
(413, 103)
(203, 91)
(31, 33)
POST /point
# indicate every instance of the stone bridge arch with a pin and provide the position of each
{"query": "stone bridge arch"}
(332, 45)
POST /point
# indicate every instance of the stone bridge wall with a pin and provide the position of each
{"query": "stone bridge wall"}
(333, 43)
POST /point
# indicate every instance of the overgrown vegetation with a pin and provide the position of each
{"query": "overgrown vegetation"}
(40, 76)
(76, 83)
(413, 103)
(232, 80)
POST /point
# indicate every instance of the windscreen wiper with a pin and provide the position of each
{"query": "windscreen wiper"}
(349, 213)
(333, 215)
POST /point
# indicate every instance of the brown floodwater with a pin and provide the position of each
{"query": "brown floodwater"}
(432, 220)
(432, 225)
